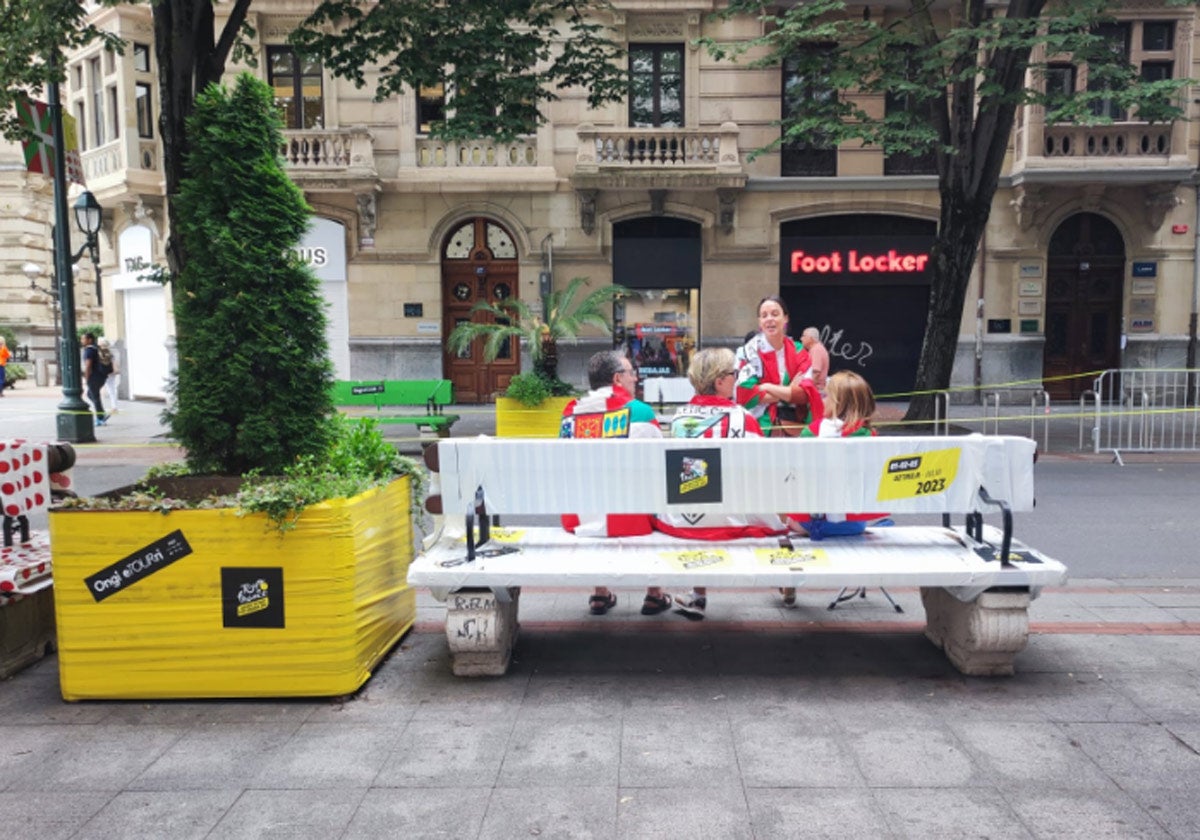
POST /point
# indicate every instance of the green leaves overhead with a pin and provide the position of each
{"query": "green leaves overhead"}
(497, 61)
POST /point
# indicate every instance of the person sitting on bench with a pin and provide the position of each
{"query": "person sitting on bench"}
(712, 413)
(609, 410)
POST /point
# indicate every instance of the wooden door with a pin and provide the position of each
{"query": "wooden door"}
(478, 264)
(1083, 304)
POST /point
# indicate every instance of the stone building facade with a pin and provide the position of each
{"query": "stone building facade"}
(1088, 261)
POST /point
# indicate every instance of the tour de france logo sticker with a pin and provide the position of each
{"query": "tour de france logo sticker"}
(923, 474)
(693, 475)
(252, 596)
(138, 566)
(698, 559)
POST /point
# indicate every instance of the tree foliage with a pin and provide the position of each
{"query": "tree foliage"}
(497, 60)
(252, 389)
(961, 70)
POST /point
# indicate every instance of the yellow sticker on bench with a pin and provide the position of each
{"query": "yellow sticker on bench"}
(503, 535)
(701, 558)
(784, 557)
(921, 474)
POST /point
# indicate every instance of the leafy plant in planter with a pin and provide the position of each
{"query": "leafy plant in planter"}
(568, 314)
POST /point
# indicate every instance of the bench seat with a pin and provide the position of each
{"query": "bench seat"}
(385, 395)
(976, 581)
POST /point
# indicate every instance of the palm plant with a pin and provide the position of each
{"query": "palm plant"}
(566, 316)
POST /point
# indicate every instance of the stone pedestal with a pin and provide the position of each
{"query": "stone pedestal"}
(481, 629)
(982, 637)
(26, 630)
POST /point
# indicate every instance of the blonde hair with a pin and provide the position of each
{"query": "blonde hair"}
(848, 397)
(708, 366)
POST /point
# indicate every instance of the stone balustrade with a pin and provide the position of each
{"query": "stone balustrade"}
(476, 153)
(1116, 140)
(329, 150)
(658, 148)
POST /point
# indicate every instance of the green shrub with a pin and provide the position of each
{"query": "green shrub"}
(529, 389)
(253, 385)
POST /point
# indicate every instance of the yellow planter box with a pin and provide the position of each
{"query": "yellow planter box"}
(516, 421)
(204, 603)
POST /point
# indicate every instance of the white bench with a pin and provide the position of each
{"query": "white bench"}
(976, 581)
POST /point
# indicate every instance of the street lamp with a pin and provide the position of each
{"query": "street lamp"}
(33, 271)
(88, 215)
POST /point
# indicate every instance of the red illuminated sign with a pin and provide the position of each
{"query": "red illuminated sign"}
(854, 262)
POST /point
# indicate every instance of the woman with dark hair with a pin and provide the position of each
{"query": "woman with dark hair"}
(771, 382)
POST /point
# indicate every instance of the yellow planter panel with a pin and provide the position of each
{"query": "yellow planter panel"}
(204, 603)
(517, 421)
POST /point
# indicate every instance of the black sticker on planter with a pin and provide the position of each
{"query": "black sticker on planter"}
(252, 596)
(141, 564)
(373, 388)
(693, 475)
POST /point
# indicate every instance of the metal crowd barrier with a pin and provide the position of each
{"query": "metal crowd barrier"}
(1145, 410)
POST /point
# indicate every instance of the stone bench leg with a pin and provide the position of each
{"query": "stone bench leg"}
(980, 638)
(481, 629)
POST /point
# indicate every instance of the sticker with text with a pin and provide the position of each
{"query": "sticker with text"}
(252, 596)
(787, 557)
(141, 564)
(697, 559)
(503, 535)
(923, 474)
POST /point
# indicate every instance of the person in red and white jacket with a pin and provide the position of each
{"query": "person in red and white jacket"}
(610, 411)
(712, 413)
(771, 383)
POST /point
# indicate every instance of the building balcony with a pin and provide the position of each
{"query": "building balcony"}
(658, 158)
(1105, 152)
(123, 168)
(329, 158)
(452, 154)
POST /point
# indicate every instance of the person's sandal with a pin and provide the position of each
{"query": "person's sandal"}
(691, 606)
(600, 604)
(655, 604)
(789, 596)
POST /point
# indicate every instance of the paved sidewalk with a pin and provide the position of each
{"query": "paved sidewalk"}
(759, 722)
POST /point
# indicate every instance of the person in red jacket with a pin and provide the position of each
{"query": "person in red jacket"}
(610, 411)
(771, 382)
(712, 413)
(849, 405)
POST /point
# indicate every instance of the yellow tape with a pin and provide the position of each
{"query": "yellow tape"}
(924, 474)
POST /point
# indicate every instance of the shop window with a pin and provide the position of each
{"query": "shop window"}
(806, 80)
(296, 81)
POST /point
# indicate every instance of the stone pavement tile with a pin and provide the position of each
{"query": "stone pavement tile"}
(673, 750)
(33, 698)
(914, 756)
(1189, 615)
(48, 814)
(150, 814)
(1093, 599)
(1021, 752)
(814, 813)
(205, 712)
(646, 644)
(583, 697)
(1108, 654)
(868, 702)
(1139, 756)
(1146, 614)
(419, 813)
(104, 758)
(1177, 811)
(920, 813)
(323, 755)
(288, 815)
(777, 753)
(786, 699)
(582, 753)
(450, 753)
(1082, 815)
(669, 693)
(669, 813)
(576, 813)
(436, 693)
(1174, 597)
(231, 754)
(1163, 696)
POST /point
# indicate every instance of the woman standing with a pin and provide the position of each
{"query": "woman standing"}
(771, 382)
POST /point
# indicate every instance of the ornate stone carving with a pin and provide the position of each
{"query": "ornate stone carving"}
(1159, 202)
(726, 208)
(366, 219)
(1027, 203)
(587, 210)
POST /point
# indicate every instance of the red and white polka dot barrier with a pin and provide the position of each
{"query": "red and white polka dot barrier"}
(24, 478)
(25, 485)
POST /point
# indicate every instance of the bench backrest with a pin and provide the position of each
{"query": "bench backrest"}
(388, 392)
(882, 474)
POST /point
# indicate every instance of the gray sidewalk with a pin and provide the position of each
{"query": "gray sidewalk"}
(759, 722)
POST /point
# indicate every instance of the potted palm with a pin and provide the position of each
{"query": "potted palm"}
(533, 403)
(276, 565)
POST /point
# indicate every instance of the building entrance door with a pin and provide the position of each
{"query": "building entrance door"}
(479, 263)
(1084, 279)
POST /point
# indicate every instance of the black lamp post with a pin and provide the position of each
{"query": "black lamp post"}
(74, 418)
(88, 216)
